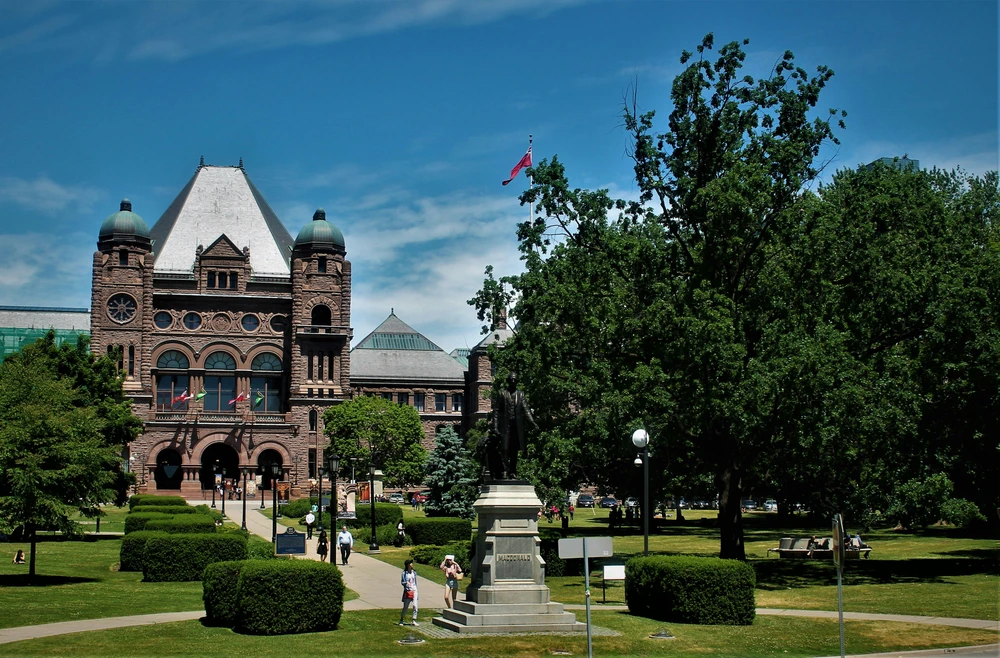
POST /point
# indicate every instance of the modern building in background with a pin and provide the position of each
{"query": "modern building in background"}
(903, 164)
(234, 338)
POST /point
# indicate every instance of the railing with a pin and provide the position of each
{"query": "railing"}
(171, 416)
(216, 417)
(267, 418)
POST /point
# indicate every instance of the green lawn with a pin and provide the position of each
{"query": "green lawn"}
(374, 633)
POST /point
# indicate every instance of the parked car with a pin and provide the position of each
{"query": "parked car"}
(396, 498)
(770, 505)
(608, 501)
(585, 500)
(631, 501)
(749, 505)
(422, 496)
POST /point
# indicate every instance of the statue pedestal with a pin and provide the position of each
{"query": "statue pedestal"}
(508, 592)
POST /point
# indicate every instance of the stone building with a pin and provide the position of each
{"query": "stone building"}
(234, 338)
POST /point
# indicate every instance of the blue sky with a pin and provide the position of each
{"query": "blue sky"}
(402, 118)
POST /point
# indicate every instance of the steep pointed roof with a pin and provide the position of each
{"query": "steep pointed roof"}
(397, 351)
(217, 201)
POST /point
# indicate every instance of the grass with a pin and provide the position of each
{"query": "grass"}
(374, 633)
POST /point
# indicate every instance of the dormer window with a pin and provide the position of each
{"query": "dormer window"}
(222, 279)
(211, 279)
(233, 280)
(321, 264)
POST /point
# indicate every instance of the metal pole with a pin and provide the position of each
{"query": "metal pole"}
(213, 488)
(333, 504)
(261, 490)
(840, 607)
(243, 495)
(223, 496)
(319, 527)
(274, 510)
(645, 500)
(373, 547)
(586, 589)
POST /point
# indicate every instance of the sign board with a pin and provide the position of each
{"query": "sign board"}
(614, 572)
(284, 489)
(324, 502)
(838, 540)
(596, 547)
(290, 543)
(347, 515)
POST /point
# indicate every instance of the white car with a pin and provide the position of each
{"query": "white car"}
(631, 502)
(396, 498)
(770, 505)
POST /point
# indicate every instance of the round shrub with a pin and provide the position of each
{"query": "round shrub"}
(385, 514)
(136, 522)
(186, 523)
(308, 594)
(439, 530)
(132, 549)
(219, 592)
(152, 499)
(961, 512)
(164, 509)
(691, 590)
(183, 557)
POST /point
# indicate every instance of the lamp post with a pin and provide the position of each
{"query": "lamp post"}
(275, 474)
(332, 468)
(373, 547)
(246, 472)
(222, 470)
(215, 469)
(640, 438)
(260, 491)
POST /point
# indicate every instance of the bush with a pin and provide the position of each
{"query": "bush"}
(259, 548)
(136, 522)
(439, 530)
(961, 512)
(299, 507)
(164, 509)
(186, 523)
(385, 514)
(434, 555)
(691, 590)
(132, 549)
(208, 511)
(183, 557)
(219, 592)
(385, 535)
(309, 594)
(555, 565)
(152, 499)
(917, 503)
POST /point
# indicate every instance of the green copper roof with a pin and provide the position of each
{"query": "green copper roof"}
(124, 224)
(397, 342)
(321, 235)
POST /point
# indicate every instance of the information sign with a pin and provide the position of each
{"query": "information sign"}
(596, 547)
(290, 543)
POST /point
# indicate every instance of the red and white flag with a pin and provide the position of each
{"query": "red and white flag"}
(239, 398)
(522, 163)
(183, 397)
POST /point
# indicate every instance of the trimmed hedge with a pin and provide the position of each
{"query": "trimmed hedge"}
(175, 558)
(184, 524)
(133, 548)
(384, 534)
(439, 530)
(555, 565)
(308, 594)
(691, 590)
(164, 509)
(219, 592)
(434, 555)
(259, 548)
(385, 514)
(136, 522)
(298, 507)
(151, 499)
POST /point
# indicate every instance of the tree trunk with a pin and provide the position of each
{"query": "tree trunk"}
(29, 528)
(730, 515)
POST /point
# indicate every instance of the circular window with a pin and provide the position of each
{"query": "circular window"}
(163, 320)
(192, 320)
(278, 324)
(121, 308)
(250, 322)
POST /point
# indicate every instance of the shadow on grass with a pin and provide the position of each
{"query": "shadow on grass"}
(790, 574)
(24, 580)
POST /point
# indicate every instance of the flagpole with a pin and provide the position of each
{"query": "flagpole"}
(531, 204)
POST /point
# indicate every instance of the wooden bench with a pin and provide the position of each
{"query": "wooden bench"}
(798, 549)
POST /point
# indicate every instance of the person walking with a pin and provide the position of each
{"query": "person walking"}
(310, 520)
(409, 582)
(452, 574)
(571, 510)
(345, 540)
(321, 546)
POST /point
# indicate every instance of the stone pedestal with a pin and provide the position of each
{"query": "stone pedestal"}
(507, 592)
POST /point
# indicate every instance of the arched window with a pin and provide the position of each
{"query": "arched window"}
(321, 315)
(266, 383)
(220, 385)
(172, 382)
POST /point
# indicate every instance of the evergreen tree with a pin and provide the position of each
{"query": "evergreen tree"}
(450, 478)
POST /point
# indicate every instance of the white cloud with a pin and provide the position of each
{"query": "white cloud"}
(46, 195)
(37, 269)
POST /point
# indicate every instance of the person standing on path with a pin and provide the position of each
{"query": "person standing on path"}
(346, 542)
(452, 573)
(321, 546)
(310, 520)
(409, 582)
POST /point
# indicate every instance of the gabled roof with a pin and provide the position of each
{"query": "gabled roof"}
(217, 201)
(500, 335)
(461, 354)
(395, 351)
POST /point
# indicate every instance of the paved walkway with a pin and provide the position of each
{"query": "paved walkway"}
(377, 585)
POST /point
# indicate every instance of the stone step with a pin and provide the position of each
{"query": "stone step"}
(539, 627)
(508, 619)
(474, 608)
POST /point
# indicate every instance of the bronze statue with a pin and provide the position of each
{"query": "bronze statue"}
(511, 419)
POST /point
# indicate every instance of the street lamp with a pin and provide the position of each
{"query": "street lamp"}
(261, 471)
(373, 547)
(640, 438)
(243, 495)
(215, 469)
(332, 468)
(222, 471)
(275, 474)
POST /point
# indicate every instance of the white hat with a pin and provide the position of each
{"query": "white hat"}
(450, 557)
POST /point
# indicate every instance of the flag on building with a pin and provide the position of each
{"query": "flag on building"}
(257, 400)
(239, 398)
(183, 397)
(200, 395)
(521, 164)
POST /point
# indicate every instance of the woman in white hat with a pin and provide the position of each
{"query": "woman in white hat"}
(453, 574)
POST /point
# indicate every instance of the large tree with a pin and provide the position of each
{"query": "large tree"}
(450, 477)
(62, 431)
(379, 432)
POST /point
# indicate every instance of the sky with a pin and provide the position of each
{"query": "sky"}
(402, 118)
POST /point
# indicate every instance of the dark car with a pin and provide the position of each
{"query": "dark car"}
(608, 501)
(585, 500)
(750, 505)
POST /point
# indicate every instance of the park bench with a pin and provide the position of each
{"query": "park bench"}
(798, 549)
